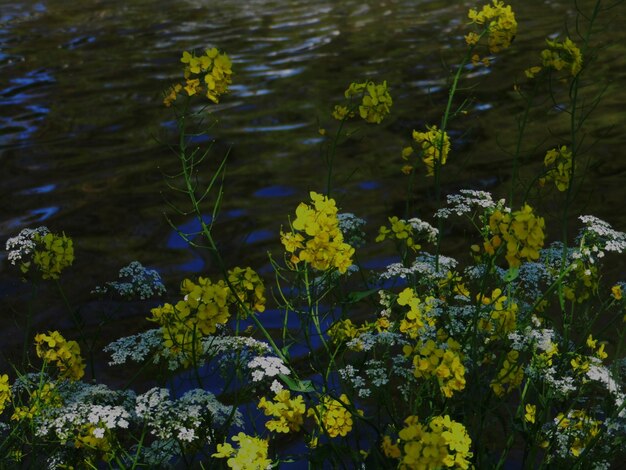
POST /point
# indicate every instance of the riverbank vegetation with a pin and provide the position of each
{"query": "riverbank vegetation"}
(512, 356)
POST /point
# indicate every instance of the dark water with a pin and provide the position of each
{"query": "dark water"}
(81, 117)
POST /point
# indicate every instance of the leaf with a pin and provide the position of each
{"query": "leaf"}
(302, 386)
(511, 274)
(354, 297)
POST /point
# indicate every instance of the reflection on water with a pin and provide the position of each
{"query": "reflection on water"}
(83, 133)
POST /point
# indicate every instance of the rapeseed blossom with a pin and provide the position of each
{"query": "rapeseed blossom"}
(434, 147)
(559, 55)
(521, 231)
(249, 289)
(50, 253)
(442, 443)
(558, 161)
(5, 392)
(288, 412)
(509, 376)
(332, 416)
(499, 21)
(251, 453)
(316, 238)
(53, 348)
(209, 73)
(375, 102)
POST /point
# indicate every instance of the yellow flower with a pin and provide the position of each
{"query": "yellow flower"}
(53, 253)
(531, 412)
(5, 392)
(249, 288)
(289, 413)
(209, 73)
(332, 416)
(559, 164)
(53, 348)
(561, 55)
(375, 102)
(499, 20)
(434, 145)
(616, 292)
(250, 455)
(315, 237)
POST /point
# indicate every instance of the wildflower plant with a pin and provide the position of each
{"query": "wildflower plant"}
(511, 353)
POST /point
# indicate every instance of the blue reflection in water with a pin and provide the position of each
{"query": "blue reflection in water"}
(44, 213)
(190, 228)
(275, 191)
(260, 235)
(369, 185)
(48, 188)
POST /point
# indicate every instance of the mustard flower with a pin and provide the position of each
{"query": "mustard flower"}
(499, 21)
(419, 315)
(522, 232)
(5, 392)
(53, 348)
(558, 161)
(205, 306)
(509, 376)
(530, 413)
(442, 362)
(316, 237)
(288, 412)
(40, 401)
(249, 288)
(503, 316)
(344, 330)
(375, 102)
(50, 253)
(251, 453)
(442, 443)
(208, 74)
(616, 292)
(434, 146)
(332, 416)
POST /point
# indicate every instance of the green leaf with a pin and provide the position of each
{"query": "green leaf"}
(511, 274)
(302, 386)
(354, 297)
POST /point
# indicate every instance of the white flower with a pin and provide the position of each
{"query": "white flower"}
(267, 367)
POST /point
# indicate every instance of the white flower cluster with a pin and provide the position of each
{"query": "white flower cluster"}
(368, 340)
(185, 419)
(599, 373)
(268, 366)
(351, 375)
(611, 239)
(351, 228)
(69, 421)
(213, 345)
(424, 229)
(23, 245)
(540, 339)
(465, 202)
(137, 281)
(136, 347)
(424, 266)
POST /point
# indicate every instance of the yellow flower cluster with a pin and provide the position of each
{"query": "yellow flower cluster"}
(500, 22)
(344, 330)
(582, 282)
(597, 351)
(251, 454)
(398, 229)
(204, 306)
(315, 237)
(248, 288)
(442, 362)
(53, 347)
(375, 102)
(53, 253)
(560, 55)
(522, 231)
(209, 73)
(434, 148)
(442, 443)
(559, 164)
(530, 413)
(5, 392)
(332, 416)
(95, 445)
(510, 375)
(579, 428)
(418, 315)
(503, 316)
(39, 401)
(289, 412)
